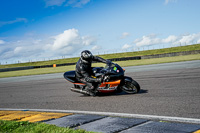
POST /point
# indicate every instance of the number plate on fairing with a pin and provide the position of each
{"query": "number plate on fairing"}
(107, 87)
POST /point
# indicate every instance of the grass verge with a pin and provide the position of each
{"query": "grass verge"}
(122, 63)
(27, 127)
(110, 56)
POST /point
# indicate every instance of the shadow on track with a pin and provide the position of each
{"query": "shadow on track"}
(116, 94)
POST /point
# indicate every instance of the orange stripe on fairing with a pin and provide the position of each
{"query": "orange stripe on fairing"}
(115, 85)
(112, 84)
(79, 83)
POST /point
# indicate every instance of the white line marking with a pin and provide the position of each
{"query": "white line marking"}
(148, 117)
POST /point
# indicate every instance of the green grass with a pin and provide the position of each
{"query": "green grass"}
(27, 127)
(36, 71)
(41, 63)
(160, 60)
(122, 63)
(109, 56)
(154, 52)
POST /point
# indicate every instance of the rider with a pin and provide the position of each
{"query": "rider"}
(84, 71)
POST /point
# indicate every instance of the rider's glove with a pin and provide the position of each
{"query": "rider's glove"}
(108, 62)
(100, 80)
(103, 79)
(106, 78)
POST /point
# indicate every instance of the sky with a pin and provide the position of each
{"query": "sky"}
(38, 30)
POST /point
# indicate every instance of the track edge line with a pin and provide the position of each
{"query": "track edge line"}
(139, 116)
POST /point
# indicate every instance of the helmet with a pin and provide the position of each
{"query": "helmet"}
(86, 56)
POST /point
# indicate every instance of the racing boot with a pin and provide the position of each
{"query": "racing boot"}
(92, 93)
(91, 90)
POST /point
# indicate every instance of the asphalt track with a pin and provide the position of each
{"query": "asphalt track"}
(170, 89)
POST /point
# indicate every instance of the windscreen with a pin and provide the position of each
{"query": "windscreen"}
(109, 66)
(112, 68)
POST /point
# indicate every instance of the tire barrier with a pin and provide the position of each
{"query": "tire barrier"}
(171, 54)
(16, 68)
(126, 58)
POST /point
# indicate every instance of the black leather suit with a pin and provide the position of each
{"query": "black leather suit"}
(84, 71)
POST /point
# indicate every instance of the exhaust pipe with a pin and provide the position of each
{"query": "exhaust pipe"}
(79, 91)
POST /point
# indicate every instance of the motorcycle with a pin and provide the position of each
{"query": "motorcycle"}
(114, 80)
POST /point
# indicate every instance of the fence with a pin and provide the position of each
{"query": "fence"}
(113, 59)
(171, 54)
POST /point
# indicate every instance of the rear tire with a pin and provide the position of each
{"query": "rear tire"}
(131, 87)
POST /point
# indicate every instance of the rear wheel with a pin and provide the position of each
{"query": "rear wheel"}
(131, 87)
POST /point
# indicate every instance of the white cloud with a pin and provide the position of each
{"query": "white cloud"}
(147, 40)
(72, 3)
(172, 39)
(18, 50)
(17, 20)
(69, 43)
(96, 48)
(77, 3)
(67, 38)
(2, 41)
(124, 35)
(152, 39)
(22, 49)
(170, 1)
(126, 47)
(189, 38)
(88, 40)
(54, 2)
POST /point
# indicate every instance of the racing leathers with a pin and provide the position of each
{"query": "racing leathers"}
(84, 72)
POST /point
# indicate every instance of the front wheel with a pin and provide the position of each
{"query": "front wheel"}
(130, 87)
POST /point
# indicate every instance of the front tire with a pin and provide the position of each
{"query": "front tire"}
(131, 87)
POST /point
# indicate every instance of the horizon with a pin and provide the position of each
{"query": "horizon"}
(95, 55)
